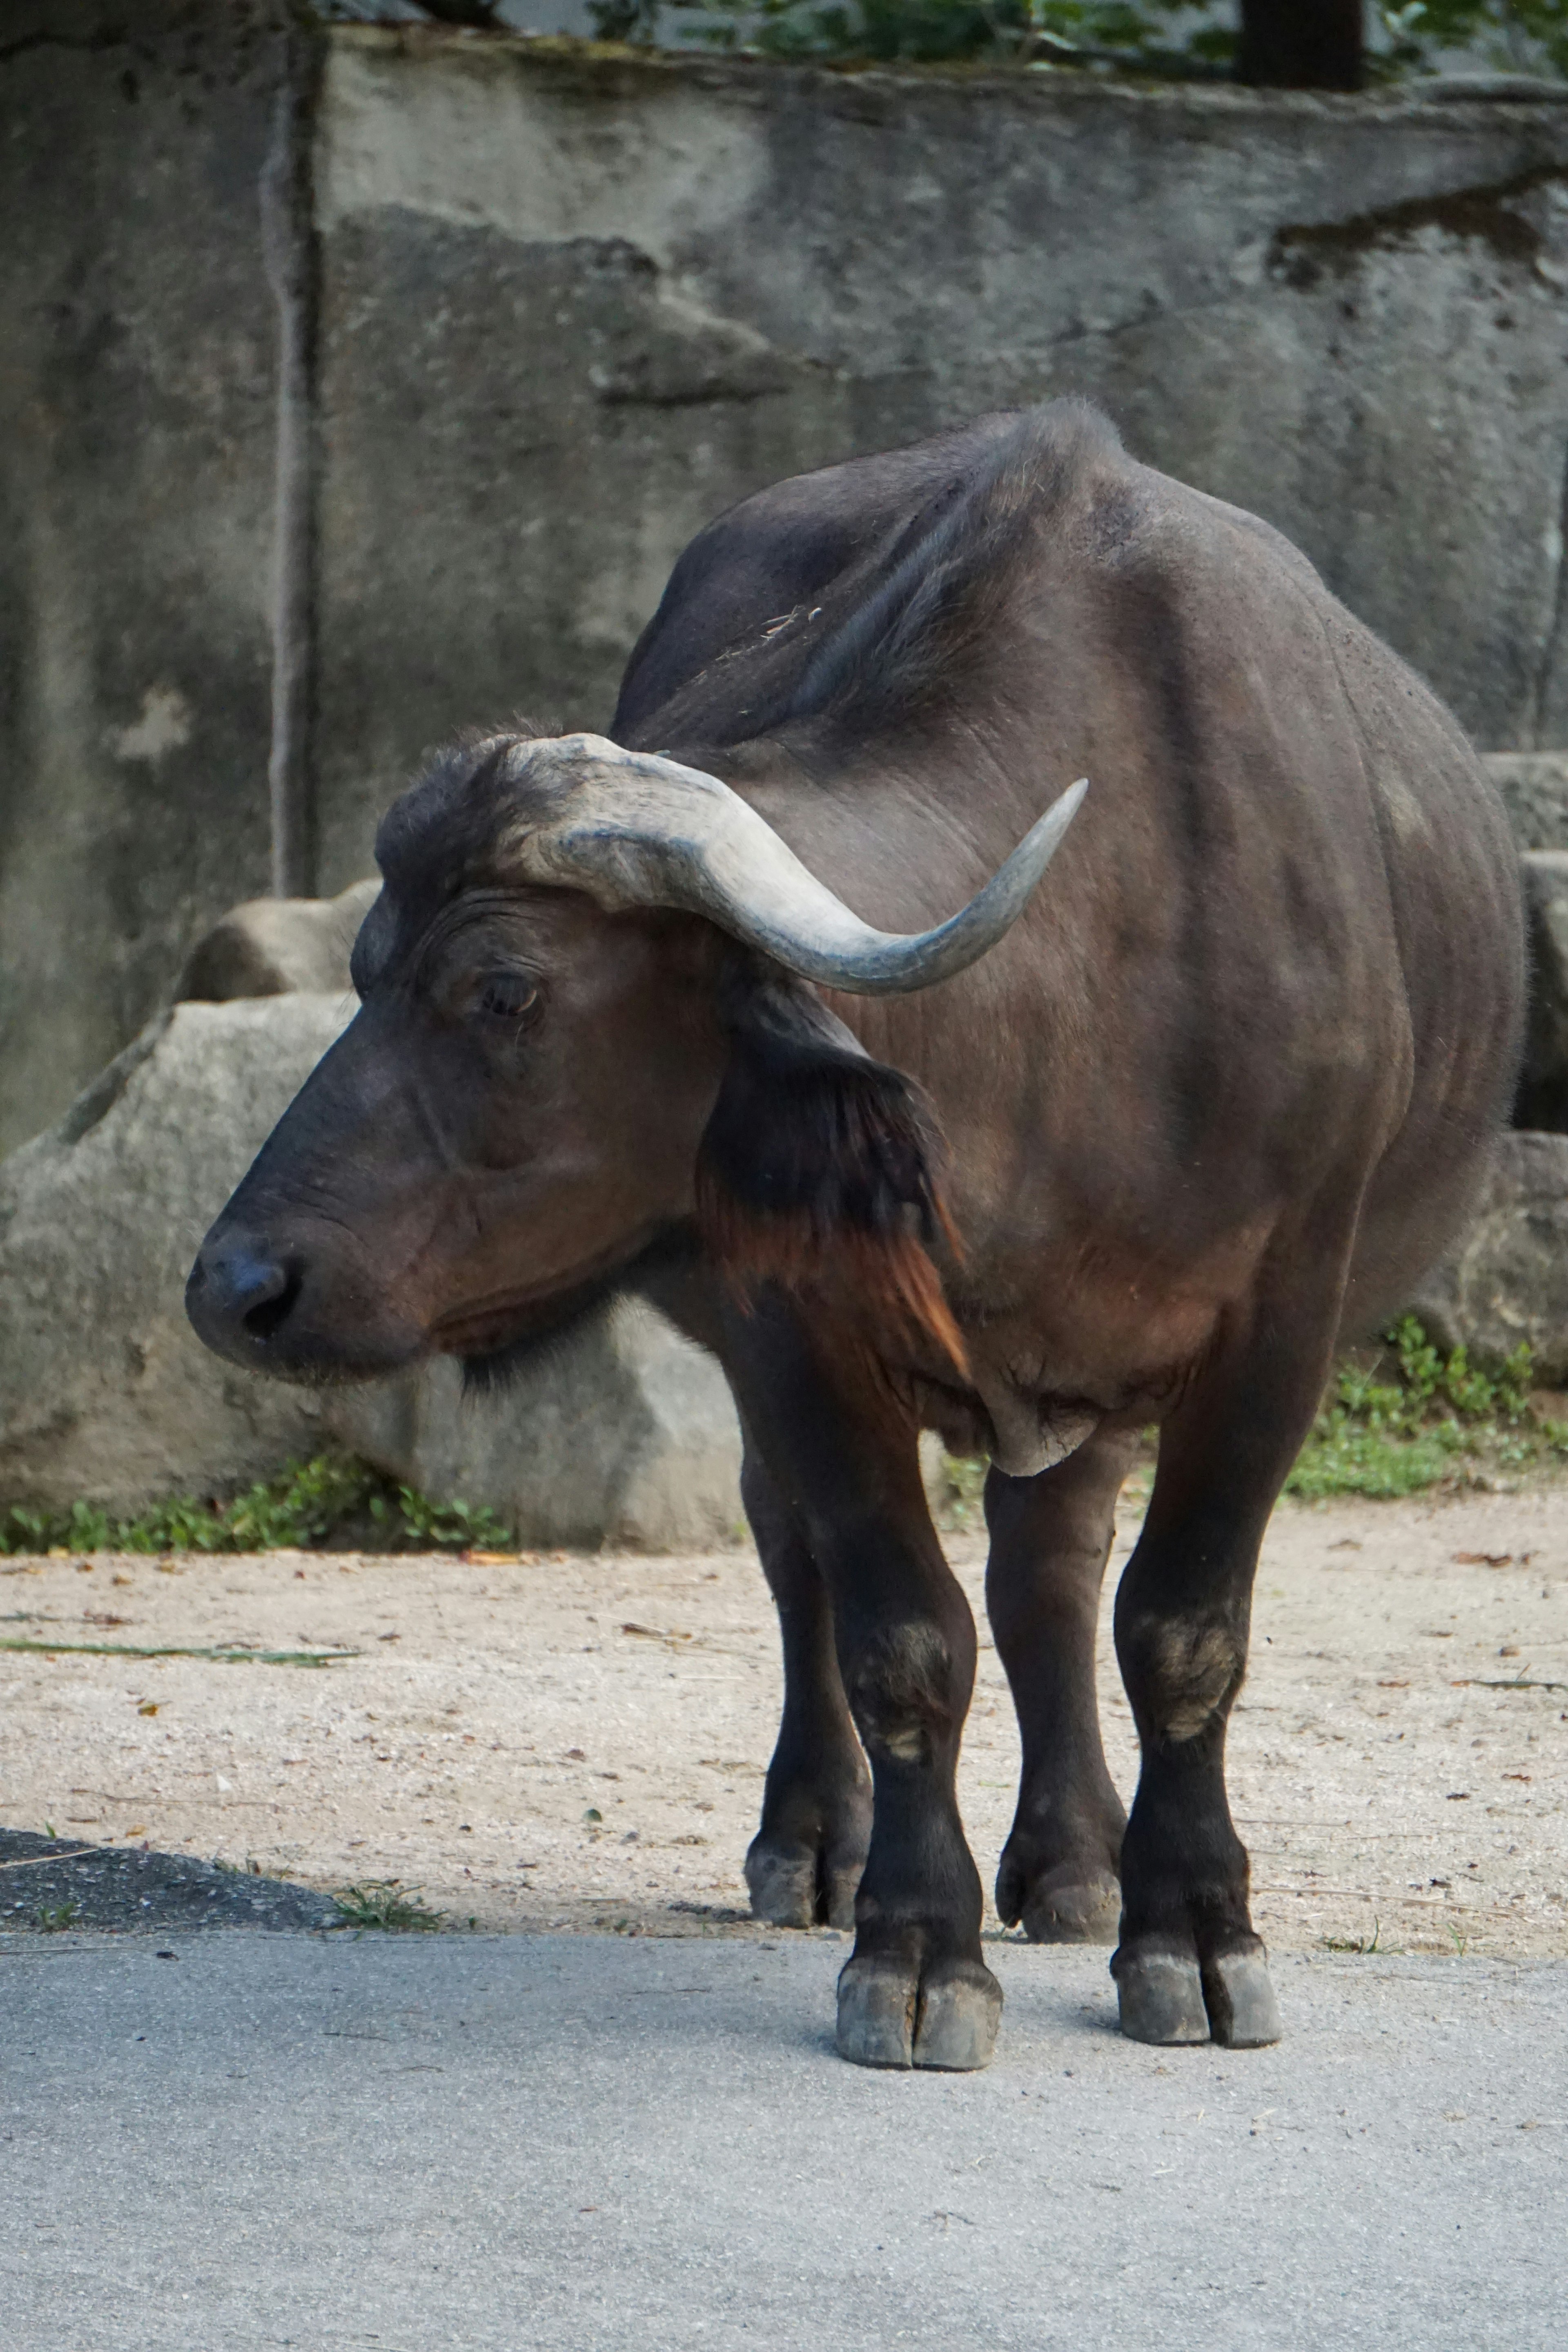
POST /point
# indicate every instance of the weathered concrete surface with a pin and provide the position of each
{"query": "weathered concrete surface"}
(136, 439)
(580, 2144)
(574, 305)
(106, 1394)
(268, 946)
(1506, 1280)
(622, 1433)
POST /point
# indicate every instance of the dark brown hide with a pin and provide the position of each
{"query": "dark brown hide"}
(1277, 958)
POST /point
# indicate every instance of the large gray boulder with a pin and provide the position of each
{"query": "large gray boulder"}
(270, 947)
(622, 1434)
(1506, 1279)
(106, 1394)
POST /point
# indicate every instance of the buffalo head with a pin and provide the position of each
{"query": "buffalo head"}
(586, 1029)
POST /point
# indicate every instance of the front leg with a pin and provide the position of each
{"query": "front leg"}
(844, 1459)
(805, 1861)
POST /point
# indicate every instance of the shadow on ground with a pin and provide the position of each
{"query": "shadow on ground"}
(50, 1884)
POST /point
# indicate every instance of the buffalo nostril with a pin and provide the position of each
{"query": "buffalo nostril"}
(272, 1309)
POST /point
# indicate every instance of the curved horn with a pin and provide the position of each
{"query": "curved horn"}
(634, 830)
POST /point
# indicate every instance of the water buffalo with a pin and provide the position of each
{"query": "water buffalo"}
(1146, 1145)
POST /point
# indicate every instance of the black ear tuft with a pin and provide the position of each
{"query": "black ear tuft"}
(819, 1163)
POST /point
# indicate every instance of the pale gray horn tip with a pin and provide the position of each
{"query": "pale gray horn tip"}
(1040, 843)
(1066, 806)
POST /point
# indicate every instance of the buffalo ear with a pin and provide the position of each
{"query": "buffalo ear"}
(819, 1165)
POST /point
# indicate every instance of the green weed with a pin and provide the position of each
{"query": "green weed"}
(1362, 1946)
(54, 1918)
(1417, 1418)
(331, 1499)
(387, 1903)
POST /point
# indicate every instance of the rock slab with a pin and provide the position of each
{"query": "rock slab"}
(622, 1433)
(1506, 1279)
(269, 947)
(107, 1395)
(1542, 1098)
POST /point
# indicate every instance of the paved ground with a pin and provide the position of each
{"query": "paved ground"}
(562, 2143)
(575, 1742)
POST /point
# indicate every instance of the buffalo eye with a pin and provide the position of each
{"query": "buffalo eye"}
(507, 995)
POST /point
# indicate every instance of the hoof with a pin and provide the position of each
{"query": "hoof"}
(959, 2010)
(787, 1888)
(1067, 1907)
(1243, 2011)
(887, 2016)
(876, 2005)
(1161, 1998)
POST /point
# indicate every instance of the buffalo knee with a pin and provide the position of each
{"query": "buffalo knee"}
(1181, 1673)
(908, 1691)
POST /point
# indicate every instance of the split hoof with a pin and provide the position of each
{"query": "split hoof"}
(1243, 2011)
(888, 2015)
(789, 1888)
(1159, 1996)
(1070, 1908)
(1164, 1997)
(960, 2008)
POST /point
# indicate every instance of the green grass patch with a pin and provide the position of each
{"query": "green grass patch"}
(331, 1502)
(387, 1903)
(1415, 1418)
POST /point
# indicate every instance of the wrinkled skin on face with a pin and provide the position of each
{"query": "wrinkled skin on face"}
(511, 1122)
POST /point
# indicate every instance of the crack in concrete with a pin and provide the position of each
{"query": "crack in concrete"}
(1303, 249)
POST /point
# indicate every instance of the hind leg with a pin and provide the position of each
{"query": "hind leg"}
(1050, 1539)
(1189, 1964)
(805, 1861)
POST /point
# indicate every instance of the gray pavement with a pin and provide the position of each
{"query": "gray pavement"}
(434, 2141)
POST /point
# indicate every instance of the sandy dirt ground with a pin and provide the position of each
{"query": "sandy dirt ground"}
(567, 1741)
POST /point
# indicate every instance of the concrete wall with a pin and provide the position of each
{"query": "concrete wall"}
(575, 306)
(136, 438)
(574, 303)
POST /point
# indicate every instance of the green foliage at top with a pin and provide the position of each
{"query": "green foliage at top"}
(1166, 38)
(1140, 33)
(1529, 36)
(333, 1499)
